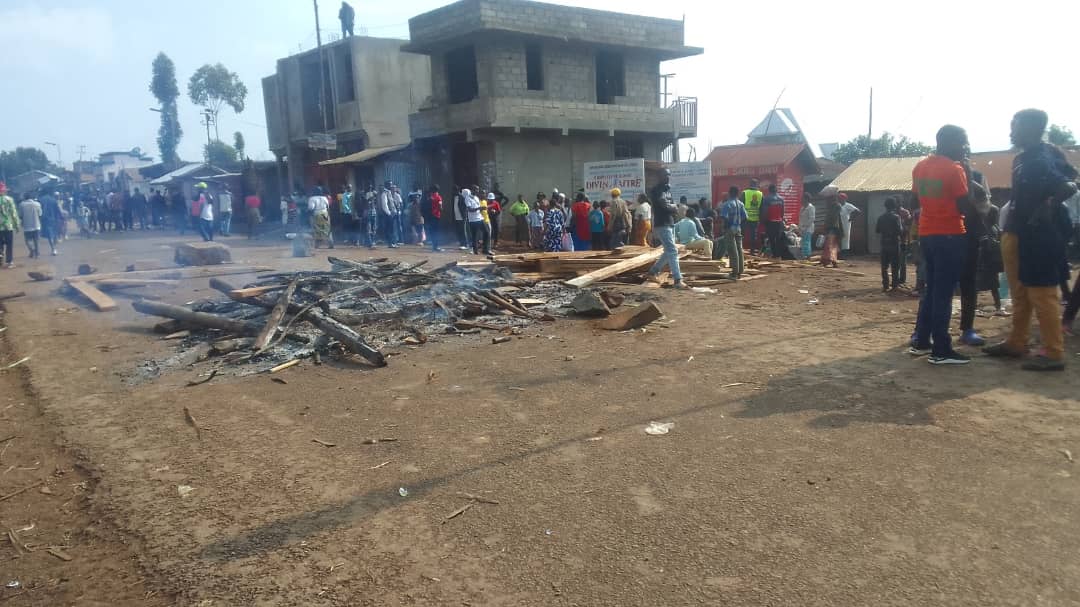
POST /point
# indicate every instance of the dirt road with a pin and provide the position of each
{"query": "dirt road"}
(811, 461)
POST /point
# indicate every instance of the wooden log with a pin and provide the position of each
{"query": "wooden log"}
(198, 319)
(264, 337)
(348, 338)
(627, 265)
(101, 301)
(632, 318)
(226, 346)
(15, 295)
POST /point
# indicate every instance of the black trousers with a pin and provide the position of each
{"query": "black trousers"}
(890, 263)
(7, 241)
(903, 262)
(774, 231)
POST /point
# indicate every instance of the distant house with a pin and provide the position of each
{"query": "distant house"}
(111, 164)
(867, 183)
(997, 168)
(785, 165)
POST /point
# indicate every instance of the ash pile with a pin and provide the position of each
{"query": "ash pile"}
(356, 309)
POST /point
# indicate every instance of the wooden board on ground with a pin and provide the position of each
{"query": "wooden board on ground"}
(176, 273)
(101, 301)
(255, 291)
(632, 318)
(134, 282)
(626, 265)
(661, 280)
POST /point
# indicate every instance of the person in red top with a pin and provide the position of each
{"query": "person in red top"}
(941, 184)
(579, 217)
(253, 204)
(434, 218)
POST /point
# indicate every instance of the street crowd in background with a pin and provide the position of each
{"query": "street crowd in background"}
(947, 227)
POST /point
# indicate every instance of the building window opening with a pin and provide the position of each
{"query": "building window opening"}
(610, 77)
(534, 67)
(346, 85)
(461, 74)
(629, 147)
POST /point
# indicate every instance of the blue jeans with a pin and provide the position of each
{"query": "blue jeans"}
(226, 224)
(944, 257)
(206, 229)
(670, 258)
(807, 245)
(371, 230)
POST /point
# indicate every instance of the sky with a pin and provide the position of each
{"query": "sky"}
(77, 72)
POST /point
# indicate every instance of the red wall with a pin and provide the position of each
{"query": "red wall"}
(788, 179)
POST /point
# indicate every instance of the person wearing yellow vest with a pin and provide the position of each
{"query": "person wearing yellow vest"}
(752, 201)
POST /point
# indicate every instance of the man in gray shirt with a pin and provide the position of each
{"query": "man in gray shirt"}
(30, 213)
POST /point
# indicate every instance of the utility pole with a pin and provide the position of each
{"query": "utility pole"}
(870, 128)
(59, 154)
(322, 76)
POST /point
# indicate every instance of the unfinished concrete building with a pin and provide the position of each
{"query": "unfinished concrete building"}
(524, 93)
(371, 87)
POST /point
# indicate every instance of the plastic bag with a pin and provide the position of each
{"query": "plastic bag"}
(567, 242)
(819, 242)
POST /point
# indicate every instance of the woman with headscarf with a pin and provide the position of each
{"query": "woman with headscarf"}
(642, 222)
(554, 226)
(319, 206)
(621, 220)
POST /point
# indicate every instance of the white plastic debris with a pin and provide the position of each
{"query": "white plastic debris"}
(705, 290)
(659, 428)
(813, 301)
(184, 490)
(403, 492)
(804, 292)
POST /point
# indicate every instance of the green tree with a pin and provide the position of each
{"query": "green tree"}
(238, 143)
(221, 155)
(163, 86)
(213, 87)
(22, 160)
(885, 146)
(1060, 135)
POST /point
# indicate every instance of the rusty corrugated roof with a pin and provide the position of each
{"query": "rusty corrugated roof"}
(997, 166)
(877, 175)
(761, 155)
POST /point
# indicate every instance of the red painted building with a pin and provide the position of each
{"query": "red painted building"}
(786, 165)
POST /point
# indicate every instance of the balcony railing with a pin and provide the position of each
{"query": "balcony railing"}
(685, 109)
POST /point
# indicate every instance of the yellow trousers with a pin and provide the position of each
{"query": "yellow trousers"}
(1040, 301)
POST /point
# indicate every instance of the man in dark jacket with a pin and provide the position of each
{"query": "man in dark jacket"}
(348, 18)
(891, 229)
(664, 210)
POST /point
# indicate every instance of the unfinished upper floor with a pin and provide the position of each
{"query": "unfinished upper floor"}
(524, 64)
(369, 86)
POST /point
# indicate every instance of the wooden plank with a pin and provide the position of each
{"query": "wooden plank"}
(176, 273)
(101, 301)
(632, 318)
(255, 291)
(561, 255)
(626, 265)
(135, 282)
(264, 337)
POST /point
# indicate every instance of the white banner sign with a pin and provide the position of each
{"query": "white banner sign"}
(691, 179)
(627, 175)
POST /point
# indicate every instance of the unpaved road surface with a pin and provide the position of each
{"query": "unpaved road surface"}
(811, 461)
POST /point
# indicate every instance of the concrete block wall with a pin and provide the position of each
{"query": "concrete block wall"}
(569, 72)
(542, 19)
(537, 162)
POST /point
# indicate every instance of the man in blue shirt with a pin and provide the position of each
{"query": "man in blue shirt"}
(689, 234)
(734, 215)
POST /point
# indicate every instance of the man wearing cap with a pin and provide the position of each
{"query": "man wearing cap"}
(9, 224)
(203, 209)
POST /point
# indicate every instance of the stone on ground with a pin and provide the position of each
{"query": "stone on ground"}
(202, 254)
(588, 303)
